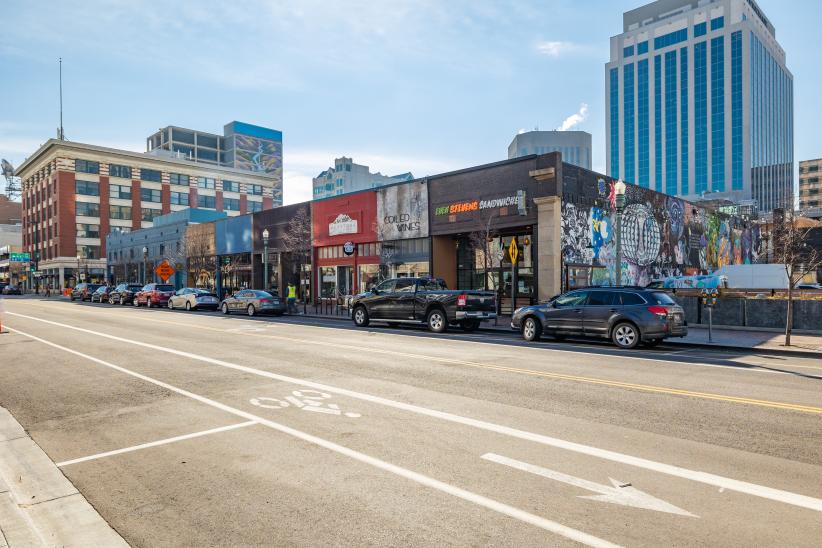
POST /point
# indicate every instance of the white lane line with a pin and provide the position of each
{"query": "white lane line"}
(722, 482)
(469, 496)
(156, 443)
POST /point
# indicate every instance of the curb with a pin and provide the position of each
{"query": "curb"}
(39, 506)
(727, 347)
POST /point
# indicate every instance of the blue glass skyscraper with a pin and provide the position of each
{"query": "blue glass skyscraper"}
(699, 103)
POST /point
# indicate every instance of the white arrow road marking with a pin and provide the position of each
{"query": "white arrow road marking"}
(620, 493)
(753, 489)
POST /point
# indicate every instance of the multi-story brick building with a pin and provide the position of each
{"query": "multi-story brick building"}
(810, 187)
(74, 194)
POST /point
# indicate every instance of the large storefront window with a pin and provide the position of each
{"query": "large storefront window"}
(235, 272)
(328, 281)
(487, 265)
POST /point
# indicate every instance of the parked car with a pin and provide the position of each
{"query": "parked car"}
(101, 294)
(124, 293)
(83, 291)
(12, 289)
(193, 298)
(153, 295)
(253, 302)
(809, 286)
(626, 315)
(3, 286)
(423, 301)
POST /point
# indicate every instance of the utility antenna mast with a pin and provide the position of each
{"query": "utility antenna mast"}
(60, 134)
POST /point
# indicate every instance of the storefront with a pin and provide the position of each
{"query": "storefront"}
(484, 227)
(346, 250)
(289, 249)
(233, 238)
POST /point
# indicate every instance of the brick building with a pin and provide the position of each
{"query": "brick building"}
(75, 194)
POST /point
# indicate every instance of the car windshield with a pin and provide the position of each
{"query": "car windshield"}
(135, 287)
(161, 287)
(662, 298)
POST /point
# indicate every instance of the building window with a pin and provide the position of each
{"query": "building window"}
(670, 123)
(206, 154)
(718, 114)
(148, 214)
(119, 212)
(670, 39)
(206, 182)
(150, 195)
(256, 190)
(701, 117)
(88, 231)
(643, 140)
(152, 175)
(88, 251)
(231, 204)
(179, 179)
(87, 188)
(642, 47)
(121, 230)
(87, 209)
(231, 186)
(614, 104)
(683, 118)
(717, 23)
(208, 202)
(628, 51)
(117, 170)
(628, 111)
(658, 123)
(182, 136)
(700, 29)
(86, 166)
(253, 207)
(120, 192)
(736, 111)
(179, 198)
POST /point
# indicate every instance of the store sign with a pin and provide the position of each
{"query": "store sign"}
(348, 248)
(479, 205)
(402, 212)
(343, 224)
(19, 257)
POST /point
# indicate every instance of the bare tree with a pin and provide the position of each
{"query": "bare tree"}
(481, 241)
(199, 254)
(791, 248)
(297, 240)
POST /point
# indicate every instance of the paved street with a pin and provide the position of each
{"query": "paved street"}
(200, 429)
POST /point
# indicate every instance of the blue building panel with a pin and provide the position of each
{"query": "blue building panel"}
(700, 29)
(658, 123)
(736, 111)
(718, 114)
(670, 39)
(628, 112)
(683, 118)
(642, 47)
(260, 132)
(233, 235)
(643, 124)
(614, 102)
(628, 51)
(701, 117)
(717, 23)
(671, 128)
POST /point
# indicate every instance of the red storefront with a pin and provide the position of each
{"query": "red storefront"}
(345, 243)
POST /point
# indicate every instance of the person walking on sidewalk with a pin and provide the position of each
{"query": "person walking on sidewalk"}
(292, 299)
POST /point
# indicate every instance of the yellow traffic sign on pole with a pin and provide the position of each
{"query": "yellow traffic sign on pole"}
(513, 250)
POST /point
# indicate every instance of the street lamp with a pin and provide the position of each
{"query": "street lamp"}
(78, 267)
(619, 191)
(145, 265)
(265, 259)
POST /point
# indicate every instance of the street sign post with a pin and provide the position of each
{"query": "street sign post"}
(164, 271)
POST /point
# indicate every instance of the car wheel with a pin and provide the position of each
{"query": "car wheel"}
(625, 335)
(361, 317)
(531, 329)
(188, 306)
(470, 325)
(135, 302)
(437, 322)
(148, 303)
(170, 305)
(224, 309)
(652, 342)
(251, 310)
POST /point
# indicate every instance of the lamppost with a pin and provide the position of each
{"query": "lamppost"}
(619, 190)
(265, 259)
(145, 265)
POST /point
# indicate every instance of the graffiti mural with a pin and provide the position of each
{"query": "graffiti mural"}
(661, 235)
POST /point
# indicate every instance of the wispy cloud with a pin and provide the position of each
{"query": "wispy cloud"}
(557, 49)
(575, 119)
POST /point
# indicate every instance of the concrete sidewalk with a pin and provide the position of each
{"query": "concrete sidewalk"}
(38, 505)
(742, 339)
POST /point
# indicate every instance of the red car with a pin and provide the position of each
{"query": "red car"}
(154, 295)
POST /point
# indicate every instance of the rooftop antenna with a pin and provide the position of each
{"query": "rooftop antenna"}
(60, 134)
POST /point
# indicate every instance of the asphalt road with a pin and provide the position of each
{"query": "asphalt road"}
(198, 429)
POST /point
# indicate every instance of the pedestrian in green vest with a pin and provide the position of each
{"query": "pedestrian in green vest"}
(292, 299)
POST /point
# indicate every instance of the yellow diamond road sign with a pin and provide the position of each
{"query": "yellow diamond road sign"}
(513, 251)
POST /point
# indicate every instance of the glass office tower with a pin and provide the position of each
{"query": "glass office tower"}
(699, 103)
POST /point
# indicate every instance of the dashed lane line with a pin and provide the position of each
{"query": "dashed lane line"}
(702, 477)
(469, 496)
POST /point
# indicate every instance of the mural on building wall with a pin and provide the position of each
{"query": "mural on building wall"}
(661, 236)
(255, 154)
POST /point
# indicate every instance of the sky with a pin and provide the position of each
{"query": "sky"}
(421, 86)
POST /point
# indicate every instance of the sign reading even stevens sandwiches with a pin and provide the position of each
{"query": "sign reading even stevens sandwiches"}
(476, 205)
(402, 212)
(343, 224)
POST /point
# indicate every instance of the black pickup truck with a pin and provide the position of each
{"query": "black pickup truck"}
(424, 301)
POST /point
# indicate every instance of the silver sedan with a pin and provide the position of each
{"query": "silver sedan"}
(193, 298)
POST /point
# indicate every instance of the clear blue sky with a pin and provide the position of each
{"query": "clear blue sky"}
(418, 85)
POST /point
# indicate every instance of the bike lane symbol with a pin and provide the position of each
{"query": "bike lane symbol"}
(307, 400)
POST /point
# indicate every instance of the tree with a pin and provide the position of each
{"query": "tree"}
(297, 240)
(791, 248)
(200, 252)
(481, 241)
